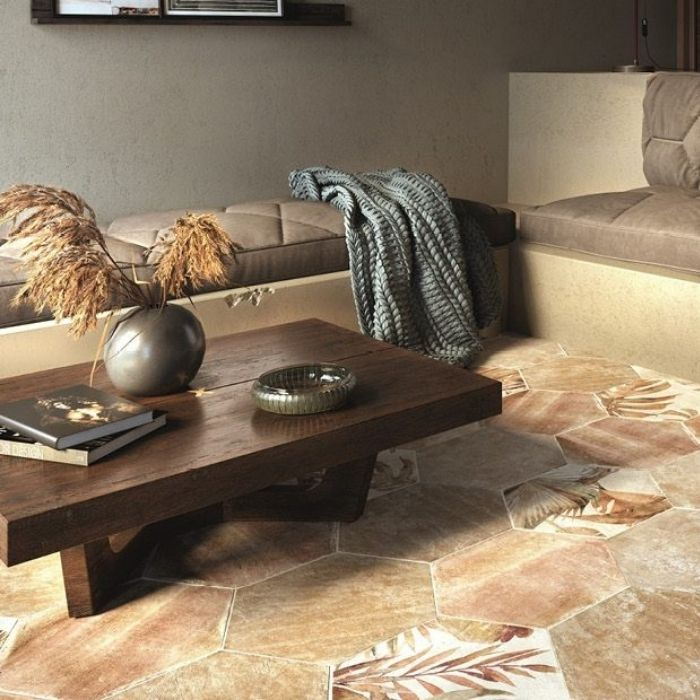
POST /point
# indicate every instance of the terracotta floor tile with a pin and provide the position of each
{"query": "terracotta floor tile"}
(652, 400)
(331, 609)
(636, 645)
(628, 443)
(453, 657)
(586, 499)
(578, 374)
(425, 522)
(693, 427)
(547, 412)
(489, 458)
(530, 579)
(663, 553)
(516, 351)
(511, 379)
(150, 628)
(31, 587)
(230, 676)
(238, 554)
(680, 481)
(395, 469)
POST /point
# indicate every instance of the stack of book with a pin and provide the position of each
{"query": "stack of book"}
(73, 425)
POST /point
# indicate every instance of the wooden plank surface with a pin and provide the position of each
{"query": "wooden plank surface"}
(218, 446)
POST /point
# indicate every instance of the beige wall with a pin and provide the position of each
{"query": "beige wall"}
(573, 134)
(140, 118)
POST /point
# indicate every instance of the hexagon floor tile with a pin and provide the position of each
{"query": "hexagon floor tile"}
(489, 458)
(578, 374)
(636, 645)
(628, 443)
(524, 578)
(238, 554)
(149, 629)
(230, 676)
(331, 609)
(680, 481)
(512, 381)
(459, 658)
(663, 553)
(32, 587)
(547, 412)
(585, 499)
(425, 522)
(517, 351)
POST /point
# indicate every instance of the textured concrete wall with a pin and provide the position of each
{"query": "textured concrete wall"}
(139, 118)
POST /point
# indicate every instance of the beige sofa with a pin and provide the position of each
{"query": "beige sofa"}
(618, 273)
(297, 247)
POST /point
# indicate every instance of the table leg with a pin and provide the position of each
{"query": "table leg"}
(93, 572)
(340, 495)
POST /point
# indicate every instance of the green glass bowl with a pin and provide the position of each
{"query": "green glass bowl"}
(301, 390)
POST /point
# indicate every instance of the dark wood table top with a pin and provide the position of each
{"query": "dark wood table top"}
(218, 445)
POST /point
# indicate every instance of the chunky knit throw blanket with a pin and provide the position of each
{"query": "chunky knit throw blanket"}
(423, 276)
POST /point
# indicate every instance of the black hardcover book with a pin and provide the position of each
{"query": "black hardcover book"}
(15, 445)
(73, 415)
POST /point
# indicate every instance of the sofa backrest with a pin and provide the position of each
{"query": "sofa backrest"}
(671, 131)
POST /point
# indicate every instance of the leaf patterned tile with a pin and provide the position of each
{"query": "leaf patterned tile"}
(149, 629)
(652, 400)
(585, 499)
(489, 458)
(680, 481)
(229, 676)
(511, 379)
(425, 522)
(7, 624)
(547, 412)
(31, 587)
(693, 427)
(579, 374)
(239, 553)
(516, 351)
(395, 469)
(636, 645)
(331, 609)
(628, 443)
(663, 553)
(525, 578)
(459, 658)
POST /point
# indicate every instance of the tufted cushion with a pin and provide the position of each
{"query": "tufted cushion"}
(671, 131)
(656, 225)
(281, 239)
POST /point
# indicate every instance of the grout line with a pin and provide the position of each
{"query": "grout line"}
(384, 558)
(20, 694)
(160, 674)
(289, 659)
(183, 582)
(628, 587)
(227, 623)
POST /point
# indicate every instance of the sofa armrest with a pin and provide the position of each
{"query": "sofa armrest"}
(498, 223)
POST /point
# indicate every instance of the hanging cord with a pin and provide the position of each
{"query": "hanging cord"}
(645, 35)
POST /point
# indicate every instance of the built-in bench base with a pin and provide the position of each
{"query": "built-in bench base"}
(639, 314)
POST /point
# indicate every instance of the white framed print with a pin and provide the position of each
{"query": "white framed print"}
(224, 8)
(120, 8)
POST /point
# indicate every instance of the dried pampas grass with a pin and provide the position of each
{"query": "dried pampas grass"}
(71, 273)
(194, 254)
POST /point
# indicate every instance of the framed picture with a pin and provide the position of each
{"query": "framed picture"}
(122, 8)
(224, 8)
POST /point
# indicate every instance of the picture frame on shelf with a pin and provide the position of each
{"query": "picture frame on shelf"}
(115, 8)
(223, 8)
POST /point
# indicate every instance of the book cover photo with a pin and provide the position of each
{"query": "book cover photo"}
(73, 415)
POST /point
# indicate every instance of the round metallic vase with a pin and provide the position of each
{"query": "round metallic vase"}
(303, 389)
(155, 351)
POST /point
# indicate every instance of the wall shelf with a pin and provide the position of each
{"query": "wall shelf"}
(298, 14)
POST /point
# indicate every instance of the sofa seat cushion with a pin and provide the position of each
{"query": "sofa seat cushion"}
(657, 225)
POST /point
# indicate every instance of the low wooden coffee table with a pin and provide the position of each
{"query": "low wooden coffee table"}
(219, 457)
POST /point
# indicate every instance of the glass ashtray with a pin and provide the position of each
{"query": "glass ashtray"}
(303, 389)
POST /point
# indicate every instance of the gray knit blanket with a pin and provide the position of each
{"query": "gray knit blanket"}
(422, 277)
